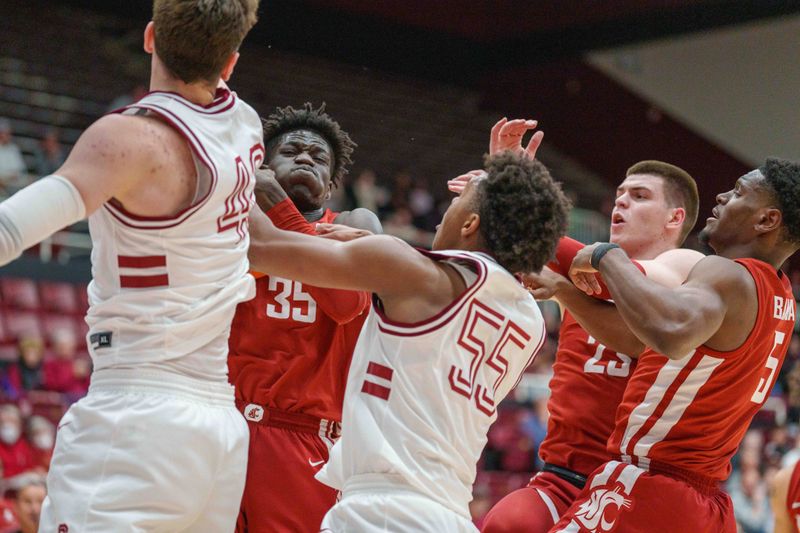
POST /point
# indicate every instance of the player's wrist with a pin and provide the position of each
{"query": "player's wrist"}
(600, 252)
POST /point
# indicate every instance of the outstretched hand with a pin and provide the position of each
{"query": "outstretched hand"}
(339, 232)
(507, 135)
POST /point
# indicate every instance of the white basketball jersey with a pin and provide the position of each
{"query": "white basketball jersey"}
(164, 290)
(420, 397)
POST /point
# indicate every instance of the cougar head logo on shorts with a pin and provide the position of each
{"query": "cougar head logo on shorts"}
(254, 412)
(592, 514)
(63, 528)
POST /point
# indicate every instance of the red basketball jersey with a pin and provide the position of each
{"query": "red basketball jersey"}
(690, 414)
(290, 346)
(586, 388)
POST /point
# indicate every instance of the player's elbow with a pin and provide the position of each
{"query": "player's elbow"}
(672, 340)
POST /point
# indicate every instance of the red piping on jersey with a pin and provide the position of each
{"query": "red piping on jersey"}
(118, 211)
(221, 96)
(385, 324)
(533, 355)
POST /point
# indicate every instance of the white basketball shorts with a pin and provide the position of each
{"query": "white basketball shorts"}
(148, 452)
(372, 508)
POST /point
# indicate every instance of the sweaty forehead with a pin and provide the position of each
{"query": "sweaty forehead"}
(304, 137)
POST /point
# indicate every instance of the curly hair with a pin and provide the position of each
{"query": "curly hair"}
(523, 212)
(286, 119)
(783, 178)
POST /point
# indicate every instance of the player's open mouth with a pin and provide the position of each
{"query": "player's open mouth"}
(617, 220)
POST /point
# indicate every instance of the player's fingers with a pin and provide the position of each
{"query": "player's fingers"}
(594, 283)
(494, 136)
(533, 144)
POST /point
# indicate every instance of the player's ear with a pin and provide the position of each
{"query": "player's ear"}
(769, 219)
(677, 217)
(149, 38)
(471, 225)
(227, 71)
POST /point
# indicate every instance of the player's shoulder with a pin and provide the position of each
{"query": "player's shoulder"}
(360, 218)
(720, 271)
(680, 256)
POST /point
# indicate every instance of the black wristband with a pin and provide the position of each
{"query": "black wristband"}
(600, 251)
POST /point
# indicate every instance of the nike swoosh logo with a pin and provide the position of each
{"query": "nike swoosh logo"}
(315, 464)
(65, 424)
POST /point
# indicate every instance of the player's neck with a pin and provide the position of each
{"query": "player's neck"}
(201, 93)
(774, 255)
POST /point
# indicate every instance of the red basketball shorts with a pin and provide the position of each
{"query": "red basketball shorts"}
(534, 508)
(281, 493)
(623, 498)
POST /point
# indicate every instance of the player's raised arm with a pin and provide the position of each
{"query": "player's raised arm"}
(671, 321)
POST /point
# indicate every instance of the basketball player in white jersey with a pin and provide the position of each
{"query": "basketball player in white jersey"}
(449, 335)
(157, 445)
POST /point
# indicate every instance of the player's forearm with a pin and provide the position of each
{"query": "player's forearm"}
(654, 314)
(601, 319)
(35, 213)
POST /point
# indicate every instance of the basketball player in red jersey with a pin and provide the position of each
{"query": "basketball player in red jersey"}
(290, 346)
(655, 209)
(785, 499)
(715, 346)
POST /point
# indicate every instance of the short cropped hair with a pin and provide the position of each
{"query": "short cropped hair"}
(523, 212)
(195, 38)
(680, 190)
(286, 119)
(783, 178)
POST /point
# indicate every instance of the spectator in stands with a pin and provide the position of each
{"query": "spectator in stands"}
(63, 372)
(29, 493)
(15, 453)
(750, 503)
(42, 437)
(26, 373)
(365, 192)
(49, 154)
(12, 166)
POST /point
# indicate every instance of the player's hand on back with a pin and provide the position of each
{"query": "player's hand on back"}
(545, 285)
(507, 135)
(340, 232)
